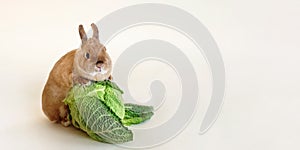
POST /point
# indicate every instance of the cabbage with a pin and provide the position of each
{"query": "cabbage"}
(98, 110)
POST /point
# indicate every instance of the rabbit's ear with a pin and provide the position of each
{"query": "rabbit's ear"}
(82, 34)
(95, 31)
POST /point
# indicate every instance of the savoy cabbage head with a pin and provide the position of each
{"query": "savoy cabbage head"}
(98, 110)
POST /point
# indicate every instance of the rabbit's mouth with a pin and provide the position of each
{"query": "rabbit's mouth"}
(99, 74)
(100, 70)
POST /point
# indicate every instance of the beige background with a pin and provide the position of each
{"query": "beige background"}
(259, 41)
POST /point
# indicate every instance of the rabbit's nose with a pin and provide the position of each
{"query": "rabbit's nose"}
(99, 63)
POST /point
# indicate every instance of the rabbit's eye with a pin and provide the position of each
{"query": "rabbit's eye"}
(87, 55)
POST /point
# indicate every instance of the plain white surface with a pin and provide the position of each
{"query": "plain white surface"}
(259, 41)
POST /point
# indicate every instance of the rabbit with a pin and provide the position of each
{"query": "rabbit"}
(90, 62)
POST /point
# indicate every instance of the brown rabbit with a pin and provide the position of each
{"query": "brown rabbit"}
(88, 63)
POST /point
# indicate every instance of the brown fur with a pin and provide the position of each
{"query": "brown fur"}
(74, 68)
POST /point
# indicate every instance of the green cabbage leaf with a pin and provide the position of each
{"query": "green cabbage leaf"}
(98, 110)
